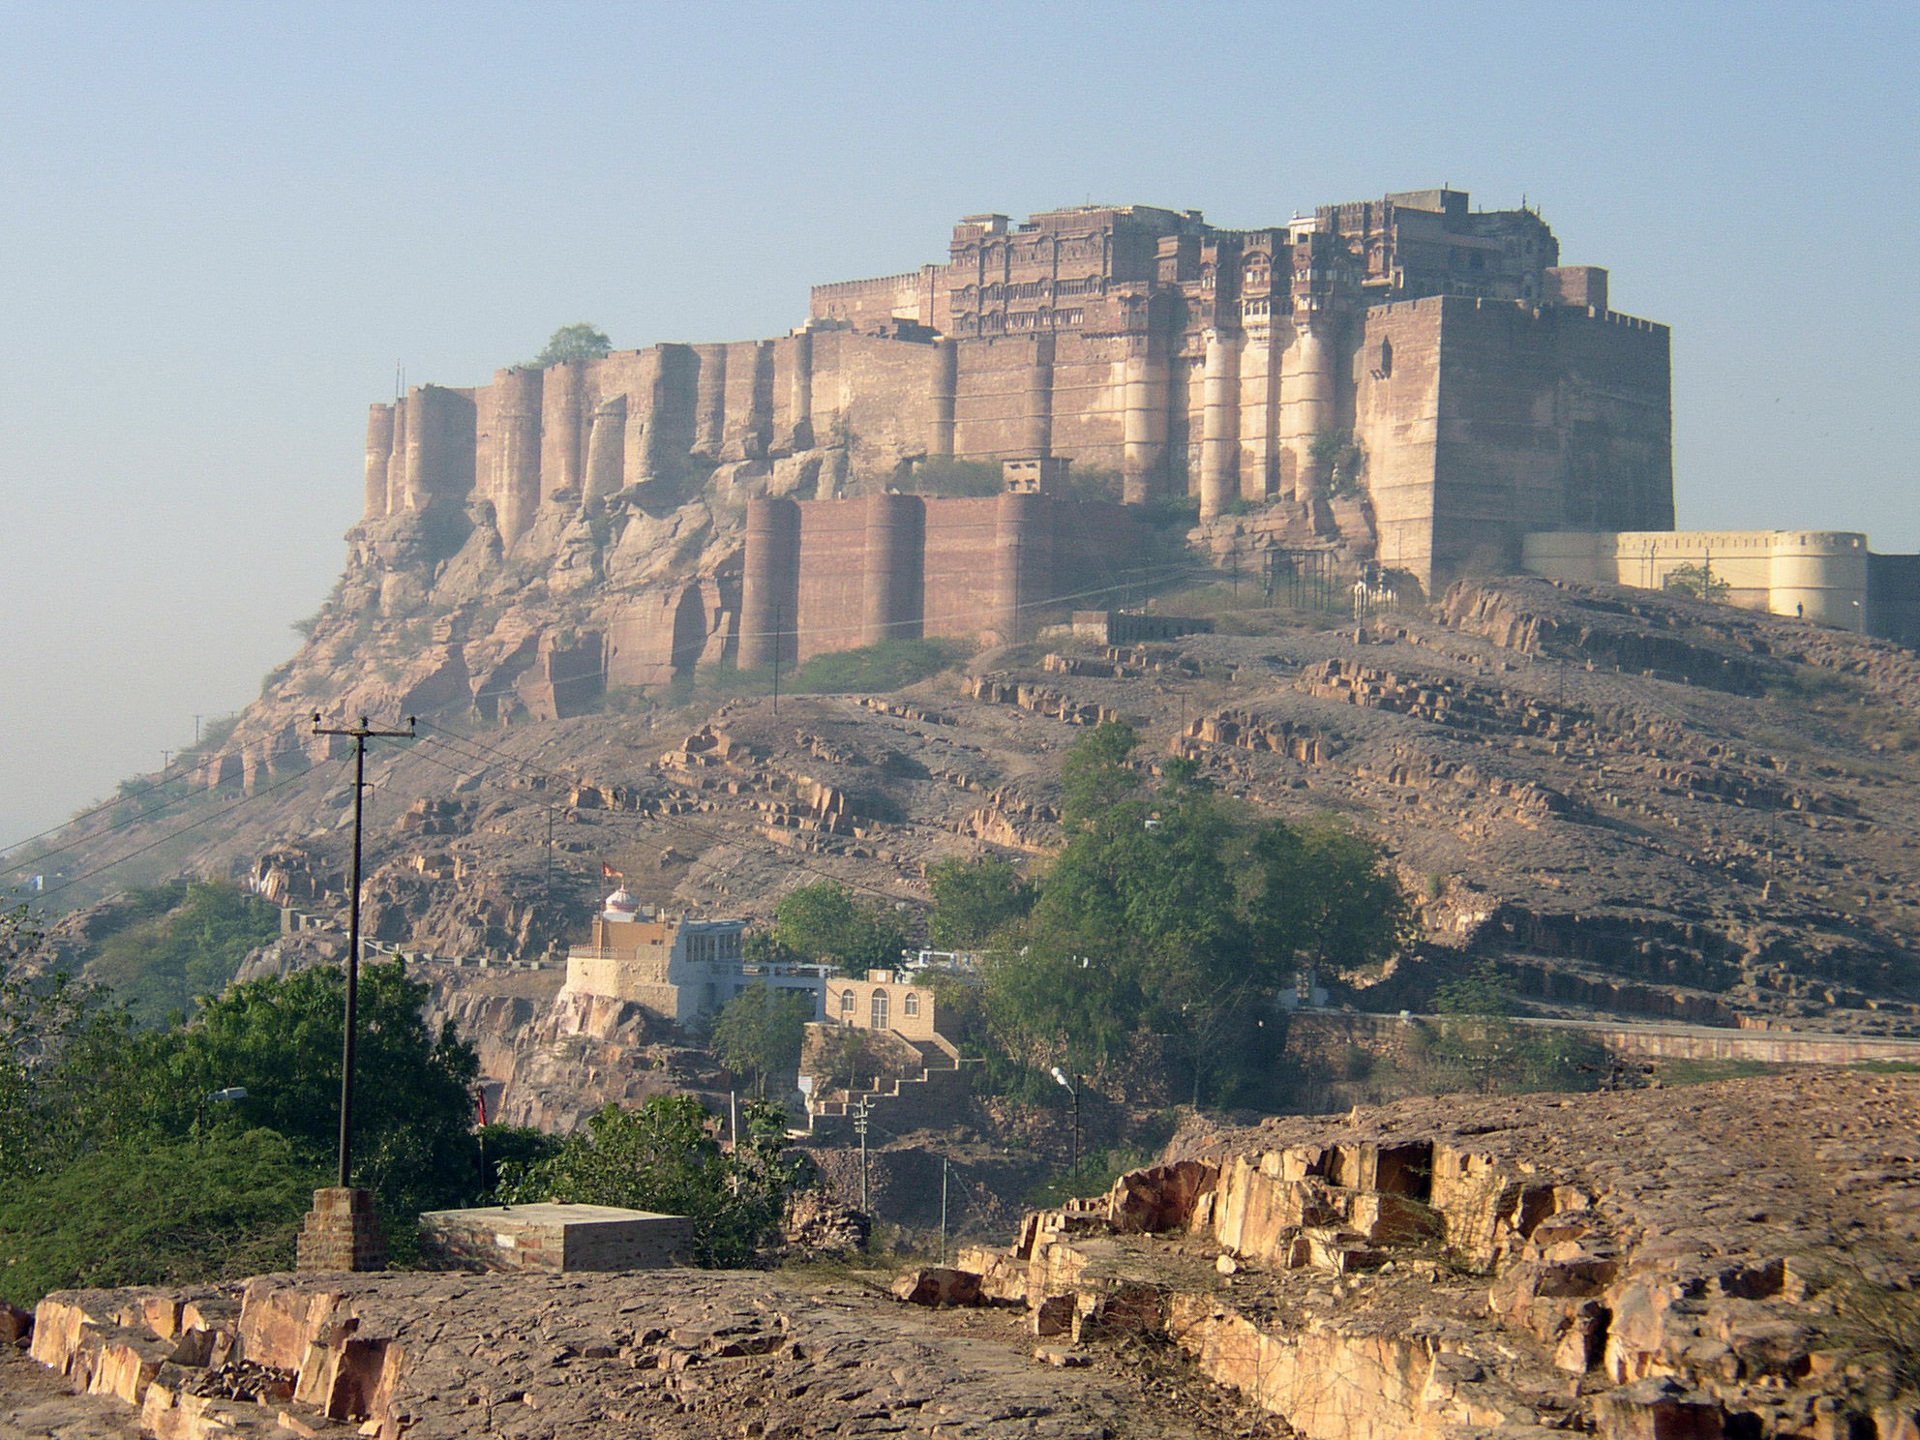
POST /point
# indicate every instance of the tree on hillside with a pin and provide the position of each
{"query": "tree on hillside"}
(91, 1106)
(758, 1033)
(1177, 916)
(825, 923)
(181, 944)
(973, 899)
(280, 1040)
(151, 1210)
(579, 341)
(664, 1156)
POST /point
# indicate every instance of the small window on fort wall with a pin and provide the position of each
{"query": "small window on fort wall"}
(1386, 357)
(881, 1019)
(846, 1000)
(911, 1005)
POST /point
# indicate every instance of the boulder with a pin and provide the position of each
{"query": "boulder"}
(939, 1285)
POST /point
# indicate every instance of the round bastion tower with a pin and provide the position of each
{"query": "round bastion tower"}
(1821, 575)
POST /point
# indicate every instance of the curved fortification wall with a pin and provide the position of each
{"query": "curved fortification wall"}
(825, 575)
(1819, 575)
(1823, 575)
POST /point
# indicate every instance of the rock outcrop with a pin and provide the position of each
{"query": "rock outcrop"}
(1735, 1260)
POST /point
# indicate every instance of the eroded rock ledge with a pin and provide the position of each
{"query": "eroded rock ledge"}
(1710, 1262)
(1722, 1262)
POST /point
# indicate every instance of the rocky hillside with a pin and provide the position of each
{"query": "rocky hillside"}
(1637, 803)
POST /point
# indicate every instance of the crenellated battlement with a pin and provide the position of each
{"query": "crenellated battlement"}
(1427, 343)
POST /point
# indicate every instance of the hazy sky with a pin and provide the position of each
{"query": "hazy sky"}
(222, 226)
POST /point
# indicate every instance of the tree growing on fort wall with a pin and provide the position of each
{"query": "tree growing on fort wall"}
(579, 341)
(1696, 582)
(1340, 456)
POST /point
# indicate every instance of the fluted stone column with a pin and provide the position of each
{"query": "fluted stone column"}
(891, 606)
(1143, 426)
(1220, 422)
(710, 399)
(1307, 408)
(1023, 564)
(379, 457)
(563, 423)
(606, 449)
(516, 486)
(800, 393)
(946, 392)
(769, 590)
(1039, 427)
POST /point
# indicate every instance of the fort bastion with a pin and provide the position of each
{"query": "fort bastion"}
(1433, 362)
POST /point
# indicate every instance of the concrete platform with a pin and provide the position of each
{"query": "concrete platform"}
(556, 1239)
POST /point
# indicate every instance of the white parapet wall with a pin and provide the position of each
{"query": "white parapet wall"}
(1818, 575)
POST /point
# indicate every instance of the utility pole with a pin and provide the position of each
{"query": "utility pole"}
(549, 852)
(946, 1164)
(776, 654)
(359, 733)
(196, 728)
(860, 1113)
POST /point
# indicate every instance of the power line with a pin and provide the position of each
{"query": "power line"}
(145, 817)
(162, 779)
(175, 834)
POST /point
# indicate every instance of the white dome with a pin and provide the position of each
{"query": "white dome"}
(622, 904)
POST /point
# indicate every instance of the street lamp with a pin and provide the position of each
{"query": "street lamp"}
(1060, 1078)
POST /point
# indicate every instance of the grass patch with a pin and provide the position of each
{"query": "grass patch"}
(1887, 1067)
(1704, 1072)
(890, 665)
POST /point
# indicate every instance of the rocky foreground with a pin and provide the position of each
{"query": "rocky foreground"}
(1736, 1260)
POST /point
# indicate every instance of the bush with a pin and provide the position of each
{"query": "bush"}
(876, 669)
(663, 1156)
(177, 946)
(148, 1211)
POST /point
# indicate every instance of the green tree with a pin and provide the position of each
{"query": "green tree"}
(1697, 582)
(579, 341)
(58, 1036)
(181, 946)
(823, 922)
(1095, 775)
(758, 1033)
(152, 1210)
(280, 1040)
(974, 899)
(664, 1156)
(1176, 916)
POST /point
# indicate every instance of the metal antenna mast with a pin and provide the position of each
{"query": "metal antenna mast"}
(359, 734)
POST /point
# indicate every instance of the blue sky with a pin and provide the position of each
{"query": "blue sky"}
(223, 226)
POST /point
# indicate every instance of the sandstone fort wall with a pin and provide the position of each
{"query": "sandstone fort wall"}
(1487, 389)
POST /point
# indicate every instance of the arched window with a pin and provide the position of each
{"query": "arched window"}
(881, 1018)
(911, 1005)
(846, 1002)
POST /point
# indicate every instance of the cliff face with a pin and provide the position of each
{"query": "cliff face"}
(1633, 1265)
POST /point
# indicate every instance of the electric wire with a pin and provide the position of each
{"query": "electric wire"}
(144, 817)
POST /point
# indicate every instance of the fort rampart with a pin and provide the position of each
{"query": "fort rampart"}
(1433, 359)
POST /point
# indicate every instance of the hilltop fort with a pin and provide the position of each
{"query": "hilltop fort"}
(1432, 364)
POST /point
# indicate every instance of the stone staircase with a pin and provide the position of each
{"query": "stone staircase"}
(932, 1097)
